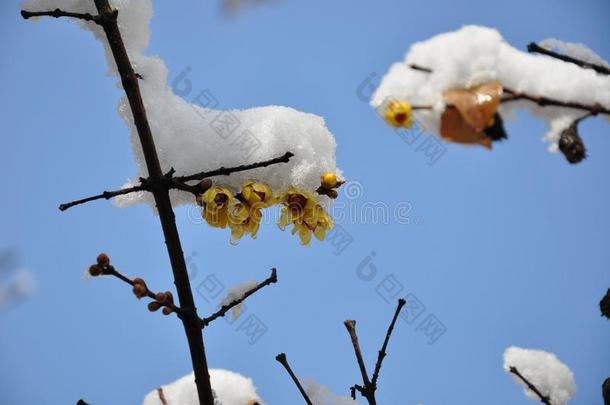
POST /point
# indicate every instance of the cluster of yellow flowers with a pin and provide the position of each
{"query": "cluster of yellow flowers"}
(242, 213)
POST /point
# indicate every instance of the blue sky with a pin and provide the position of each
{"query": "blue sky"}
(504, 248)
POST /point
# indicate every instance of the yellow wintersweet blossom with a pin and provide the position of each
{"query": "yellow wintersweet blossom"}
(245, 216)
(215, 202)
(398, 114)
(308, 217)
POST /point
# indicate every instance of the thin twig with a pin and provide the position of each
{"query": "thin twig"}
(105, 195)
(535, 48)
(112, 271)
(382, 352)
(226, 308)
(592, 109)
(81, 402)
(176, 183)
(281, 358)
(60, 13)
(544, 399)
(367, 390)
(226, 171)
(542, 101)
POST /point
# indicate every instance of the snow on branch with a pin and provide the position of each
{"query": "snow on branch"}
(178, 183)
(543, 376)
(462, 85)
(229, 388)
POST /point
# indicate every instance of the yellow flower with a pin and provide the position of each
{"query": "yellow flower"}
(245, 216)
(308, 217)
(257, 194)
(216, 201)
(398, 114)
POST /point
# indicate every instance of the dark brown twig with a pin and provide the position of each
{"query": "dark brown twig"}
(177, 183)
(110, 270)
(535, 48)
(281, 358)
(367, 391)
(542, 101)
(60, 13)
(592, 109)
(226, 171)
(544, 399)
(81, 402)
(105, 195)
(382, 352)
(107, 19)
(226, 308)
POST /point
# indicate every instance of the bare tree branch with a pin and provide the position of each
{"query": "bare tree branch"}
(382, 352)
(104, 195)
(367, 391)
(60, 13)
(140, 289)
(535, 48)
(226, 308)
(544, 399)
(281, 358)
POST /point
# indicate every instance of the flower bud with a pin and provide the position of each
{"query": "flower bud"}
(139, 288)
(154, 306)
(103, 260)
(167, 310)
(571, 145)
(161, 297)
(329, 180)
(94, 270)
(204, 185)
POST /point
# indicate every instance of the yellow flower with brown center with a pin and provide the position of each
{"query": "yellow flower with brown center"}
(302, 210)
(398, 114)
(215, 202)
(245, 215)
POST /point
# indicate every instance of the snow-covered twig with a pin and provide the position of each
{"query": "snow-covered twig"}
(226, 308)
(544, 399)
(226, 171)
(367, 390)
(281, 358)
(170, 182)
(542, 101)
(535, 48)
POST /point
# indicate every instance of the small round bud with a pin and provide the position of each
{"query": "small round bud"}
(167, 310)
(161, 297)
(332, 194)
(154, 306)
(329, 180)
(103, 259)
(204, 185)
(170, 296)
(94, 270)
(139, 288)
